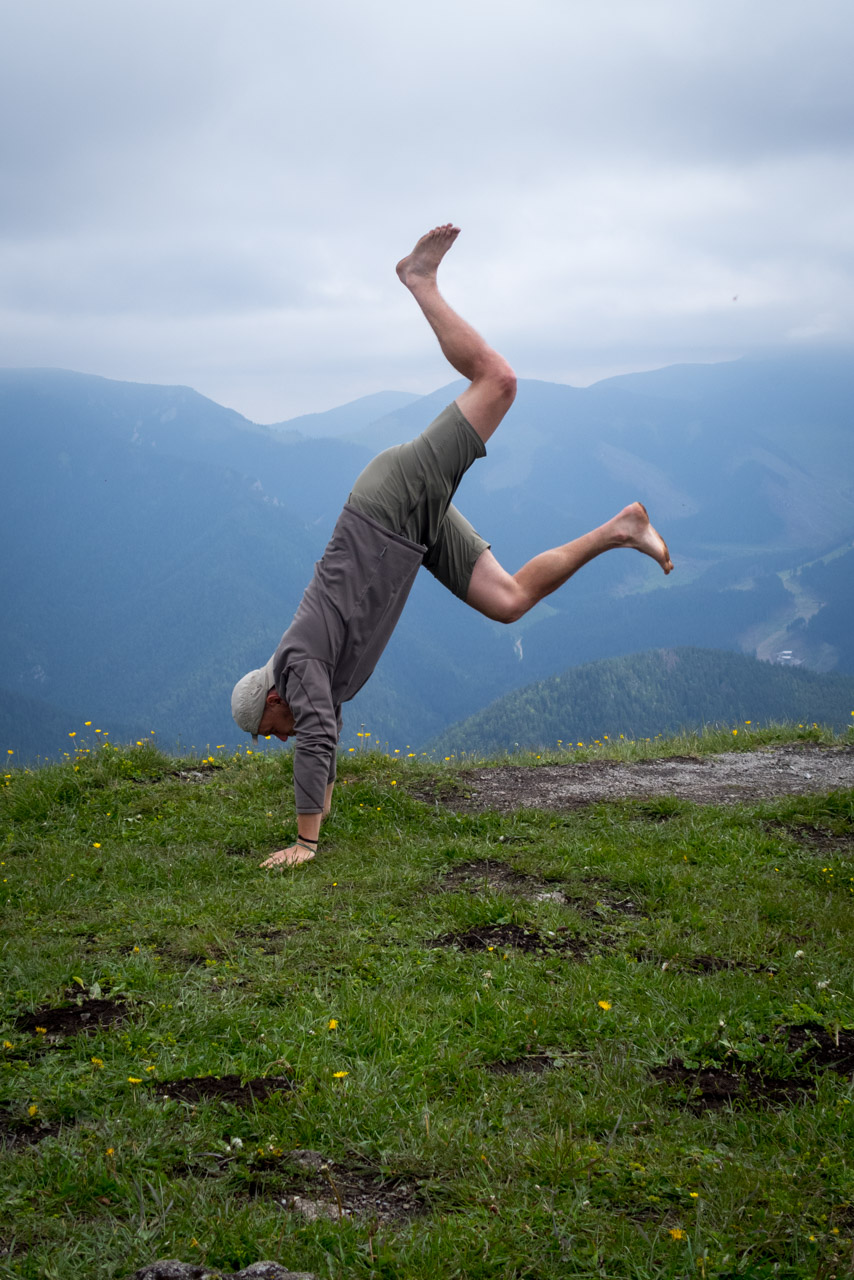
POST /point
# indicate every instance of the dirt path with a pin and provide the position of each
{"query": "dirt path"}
(742, 776)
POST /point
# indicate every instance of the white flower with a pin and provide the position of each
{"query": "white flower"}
(821, 985)
(799, 954)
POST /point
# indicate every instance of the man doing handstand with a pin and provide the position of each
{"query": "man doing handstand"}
(398, 517)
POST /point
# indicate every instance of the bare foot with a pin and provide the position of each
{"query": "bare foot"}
(288, 857)
(633, 529)
(423, 262)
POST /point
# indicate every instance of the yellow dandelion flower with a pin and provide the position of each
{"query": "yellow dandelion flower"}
(605, 1004)
(676, 1233)
(695, 1195)
(735, 733)
(134, 1080)
(97, 1063)
(339, 1075)
(41, 1031)
(72, 735)
(96, 845)
(151, 1068)
(87, 723)
(7, 1044)
(33, 1110)
(111, 1151)
(333, 1023)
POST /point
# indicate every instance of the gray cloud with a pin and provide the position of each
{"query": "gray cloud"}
(215, 195)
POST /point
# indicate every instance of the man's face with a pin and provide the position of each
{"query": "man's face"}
(277, 721)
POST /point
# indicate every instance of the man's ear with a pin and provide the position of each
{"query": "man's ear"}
(272, 698)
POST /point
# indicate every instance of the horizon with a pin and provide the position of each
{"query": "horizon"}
(842, 349)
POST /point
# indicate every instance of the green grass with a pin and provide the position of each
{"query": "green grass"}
(123, 879)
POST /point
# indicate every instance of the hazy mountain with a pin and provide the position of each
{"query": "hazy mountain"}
(649, 693)
(155, 544)
(347, 419)
(41, 730)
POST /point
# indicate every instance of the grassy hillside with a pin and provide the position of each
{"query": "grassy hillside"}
(662, 691)
(610, 1042)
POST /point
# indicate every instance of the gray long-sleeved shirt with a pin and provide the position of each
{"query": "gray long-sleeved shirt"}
(344, 621)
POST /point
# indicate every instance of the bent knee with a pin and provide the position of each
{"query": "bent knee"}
(497, 373)
(513, 611)
(505, 382)
(509, 606)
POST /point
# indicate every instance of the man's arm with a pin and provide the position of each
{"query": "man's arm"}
(308, 834)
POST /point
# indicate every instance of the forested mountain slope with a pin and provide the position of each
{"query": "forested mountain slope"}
(644, 694)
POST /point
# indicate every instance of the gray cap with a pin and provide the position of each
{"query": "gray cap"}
(249, 698)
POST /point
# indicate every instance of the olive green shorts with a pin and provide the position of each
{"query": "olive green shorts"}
(409, 487)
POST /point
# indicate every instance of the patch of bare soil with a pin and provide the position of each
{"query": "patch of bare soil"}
(172, 1269)
(84, 1014)
(743, 776)
(742, 1084)
(711, 1088)
(529, 1063)
(268, 940)
(20, 1130)
(229, 1089)
(487, 875)
(831, 1051)
(202, 773)
(603, 904)
(704, 964)
(307, 1184)
(193, 953)
(492, 937)
(484, 874)
(820, 839)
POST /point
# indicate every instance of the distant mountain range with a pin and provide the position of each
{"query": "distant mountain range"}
(645, 694)
(156, 544)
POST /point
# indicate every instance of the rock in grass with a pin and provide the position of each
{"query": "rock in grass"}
(172, 1269)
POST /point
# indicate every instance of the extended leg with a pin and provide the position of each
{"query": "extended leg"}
(493, 382)
(506, 597)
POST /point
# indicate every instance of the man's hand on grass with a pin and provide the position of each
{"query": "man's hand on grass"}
(291, 857)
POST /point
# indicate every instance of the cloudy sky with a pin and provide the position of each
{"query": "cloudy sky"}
(214, 194)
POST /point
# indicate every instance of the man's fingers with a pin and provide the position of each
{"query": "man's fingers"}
(288, 857)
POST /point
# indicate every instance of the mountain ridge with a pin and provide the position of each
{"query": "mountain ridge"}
(157, 544)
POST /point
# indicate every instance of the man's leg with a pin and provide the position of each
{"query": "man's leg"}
(494, 592)
(493, 382)
(506, 597)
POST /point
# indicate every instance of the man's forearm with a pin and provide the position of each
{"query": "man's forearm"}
(308, 826)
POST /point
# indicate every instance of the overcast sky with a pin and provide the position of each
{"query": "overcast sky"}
(214, 194)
